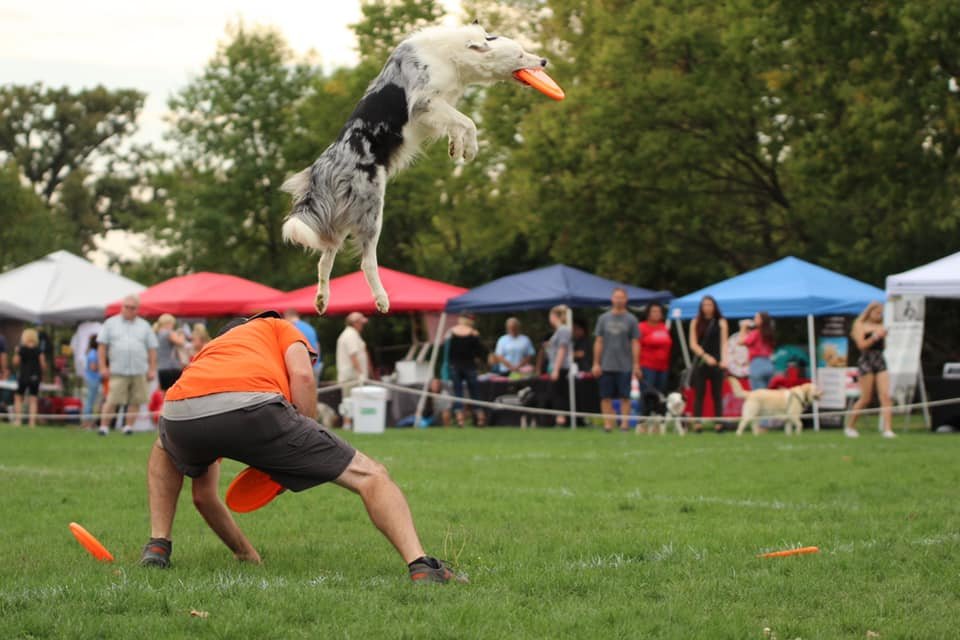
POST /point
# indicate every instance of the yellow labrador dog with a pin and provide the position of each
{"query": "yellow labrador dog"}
(787, 404)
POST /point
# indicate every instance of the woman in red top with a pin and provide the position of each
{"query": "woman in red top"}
(758, 338)
(655, 345)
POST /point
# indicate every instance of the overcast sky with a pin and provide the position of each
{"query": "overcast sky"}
(156, 46)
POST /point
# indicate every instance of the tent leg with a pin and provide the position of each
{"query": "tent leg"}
(571, 379)
(812, 347)
(433, 363)
(683, 344)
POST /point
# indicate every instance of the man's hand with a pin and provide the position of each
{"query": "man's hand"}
(104, 372)
(151, 374)
(638, 373)
(596, 371)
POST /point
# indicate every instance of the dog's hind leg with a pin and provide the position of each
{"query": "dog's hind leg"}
(324, 267)
(368, 264)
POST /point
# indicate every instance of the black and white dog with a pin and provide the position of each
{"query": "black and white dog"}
(663, 411)
(411, 102)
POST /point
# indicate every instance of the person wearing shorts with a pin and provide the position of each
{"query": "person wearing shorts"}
(250, 396)
(130, 345)
(616, 358)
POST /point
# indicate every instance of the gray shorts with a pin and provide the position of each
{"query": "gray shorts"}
(294, 450)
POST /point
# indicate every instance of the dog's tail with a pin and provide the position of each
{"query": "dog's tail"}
(738, 390)
(308, 222)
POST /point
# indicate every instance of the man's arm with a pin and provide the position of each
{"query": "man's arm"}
(102, 360)
(303, 387)
(152, 364)
(597, 354)
(636, 358)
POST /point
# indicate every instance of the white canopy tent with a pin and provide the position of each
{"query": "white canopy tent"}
(939, 279)
(61, 288)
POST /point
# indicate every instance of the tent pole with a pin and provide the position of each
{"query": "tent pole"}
(683, 344)
(571, 376)
(441, 325)
(812, 347)
(924, 399)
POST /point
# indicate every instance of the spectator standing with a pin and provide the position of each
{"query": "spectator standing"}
(169, 341)
(757, 336)
(465, 348)
(870, 335)
(352, 363)
(4, 363)
(131, 346)
(582, 356)
(560, 354)
(708, 342)
(514, 350)
(616, 357)
(199, 337)
(310, 334)
(655, 347)
(30, 363)
(92, 379)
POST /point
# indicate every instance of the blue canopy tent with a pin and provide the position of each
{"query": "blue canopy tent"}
(542, 289)
(788, 288)
(548, 287)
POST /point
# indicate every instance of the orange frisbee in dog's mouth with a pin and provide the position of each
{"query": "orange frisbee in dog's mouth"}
(539, 80)
(250, 490)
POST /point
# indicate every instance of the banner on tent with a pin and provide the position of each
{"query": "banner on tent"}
(832, 353)
(903, 317)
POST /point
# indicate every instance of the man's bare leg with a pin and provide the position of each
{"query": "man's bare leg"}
(624, 414)
(606, 408)
(385, 504)
(164, 482)
(218, 518)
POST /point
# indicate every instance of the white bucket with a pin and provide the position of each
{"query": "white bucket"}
(369, 409)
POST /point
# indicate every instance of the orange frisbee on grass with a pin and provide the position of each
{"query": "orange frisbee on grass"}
(91, 544)
(252, 489)
(539, 80)
(790, 552)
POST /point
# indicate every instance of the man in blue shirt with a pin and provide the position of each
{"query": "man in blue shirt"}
(310, 334)
(514, 350)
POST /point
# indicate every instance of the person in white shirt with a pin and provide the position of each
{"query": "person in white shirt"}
(352, 364)
(514, 350)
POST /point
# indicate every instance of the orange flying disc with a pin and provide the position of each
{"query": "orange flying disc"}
(539, 80)
(251, 489)
(91, 544)
(790, 552)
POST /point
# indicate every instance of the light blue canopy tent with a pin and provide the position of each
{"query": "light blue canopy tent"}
(787, 288)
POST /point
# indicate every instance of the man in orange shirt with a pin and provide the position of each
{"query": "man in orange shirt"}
(250, 395)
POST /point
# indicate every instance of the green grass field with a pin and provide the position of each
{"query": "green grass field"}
(563, 535)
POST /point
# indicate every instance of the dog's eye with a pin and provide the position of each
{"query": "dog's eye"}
(490, 38)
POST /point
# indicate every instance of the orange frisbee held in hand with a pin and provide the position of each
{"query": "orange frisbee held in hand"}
(91, 544)
(539, 80)
(790, 552)
(252, 489)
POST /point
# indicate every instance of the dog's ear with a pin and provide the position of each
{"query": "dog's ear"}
(479, 47)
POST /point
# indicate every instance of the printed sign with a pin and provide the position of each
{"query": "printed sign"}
(832, 350)
(903, 318)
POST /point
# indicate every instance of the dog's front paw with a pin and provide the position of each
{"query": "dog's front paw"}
(470, 145)
(382, 302)
(320, 302)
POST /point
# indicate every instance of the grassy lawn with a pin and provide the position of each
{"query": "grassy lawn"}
(563, 535)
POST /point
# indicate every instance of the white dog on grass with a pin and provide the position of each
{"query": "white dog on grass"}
(411, 102)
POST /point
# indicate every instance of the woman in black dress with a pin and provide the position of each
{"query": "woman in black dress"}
(30, 365)
(464, 349)
(708, 341)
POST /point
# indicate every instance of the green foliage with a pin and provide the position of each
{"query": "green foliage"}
(563, 535)
(27, 229)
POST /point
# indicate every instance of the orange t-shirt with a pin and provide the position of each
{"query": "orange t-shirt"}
(246, 358)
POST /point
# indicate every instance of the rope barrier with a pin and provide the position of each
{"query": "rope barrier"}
(500, 406)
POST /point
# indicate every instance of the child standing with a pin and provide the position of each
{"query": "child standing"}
(30, 365)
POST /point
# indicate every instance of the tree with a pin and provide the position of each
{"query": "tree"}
(234, 128)
(27, 231)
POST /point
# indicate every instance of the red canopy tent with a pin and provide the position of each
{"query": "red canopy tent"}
(201, 294)
(351, 293)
